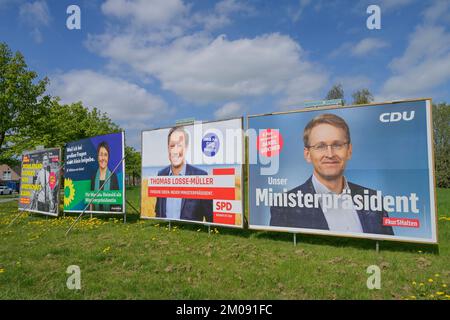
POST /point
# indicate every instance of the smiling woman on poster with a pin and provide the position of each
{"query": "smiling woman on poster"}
(101, 177)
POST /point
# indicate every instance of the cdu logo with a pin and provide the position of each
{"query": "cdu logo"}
(397, 116)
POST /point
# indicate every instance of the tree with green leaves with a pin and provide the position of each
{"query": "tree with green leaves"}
(22, 99)
(132, 165)
(61, 124)
(336, 92)
(441, 134)
(362, 96)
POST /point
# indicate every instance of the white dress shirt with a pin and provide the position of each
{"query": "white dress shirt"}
(173, 205)
(45, 193)
(338, 219)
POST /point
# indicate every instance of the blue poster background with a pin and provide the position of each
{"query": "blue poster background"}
(87, 170)
(388, 156)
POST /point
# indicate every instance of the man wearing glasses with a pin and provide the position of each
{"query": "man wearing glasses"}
(327, 146)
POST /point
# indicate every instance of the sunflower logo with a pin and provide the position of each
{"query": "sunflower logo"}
(69, 192)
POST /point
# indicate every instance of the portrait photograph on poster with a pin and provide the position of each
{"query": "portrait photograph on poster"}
(40, 181)
(363, 171)
(94, 175)
(193, 173)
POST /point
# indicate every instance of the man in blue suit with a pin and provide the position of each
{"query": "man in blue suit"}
(176, 208)
(327, 146)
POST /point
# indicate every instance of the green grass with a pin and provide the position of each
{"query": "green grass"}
(144, 260)
(8, 196)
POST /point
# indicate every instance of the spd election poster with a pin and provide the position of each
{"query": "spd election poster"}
(194, 173)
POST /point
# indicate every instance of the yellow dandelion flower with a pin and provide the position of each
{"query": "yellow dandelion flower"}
(414, 283)
(447, 296)
(444, 286)
(431, 295)
(440, 293)
(436, 275)
(421, 284)
(2, 270)
(413, 297)
(430, 280)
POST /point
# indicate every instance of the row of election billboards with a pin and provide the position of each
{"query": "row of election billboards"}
(359, 171)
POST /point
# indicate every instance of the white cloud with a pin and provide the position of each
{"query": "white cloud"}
(168, 19)
(418, 81)
(367, 46)
(440, 10)
(427, 42)
(343, 49)
(157, 22)
(145, 12)
(203, 70)
(229, 110)
(296, 13)
(36, 15)
(126, 103)
(304, 87)
(6, 3)
(364, 47)
(221, 15)
(425, 64)
(231, 6)
(388, 5)
(37, 35)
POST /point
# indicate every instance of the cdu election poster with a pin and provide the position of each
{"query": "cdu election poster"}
(358, 171)
(39, 182)
(194, 173)
(94, 175)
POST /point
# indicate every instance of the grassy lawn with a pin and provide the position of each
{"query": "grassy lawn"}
(8, 196)
(146, 260)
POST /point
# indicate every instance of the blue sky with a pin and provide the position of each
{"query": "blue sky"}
(148, 63)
